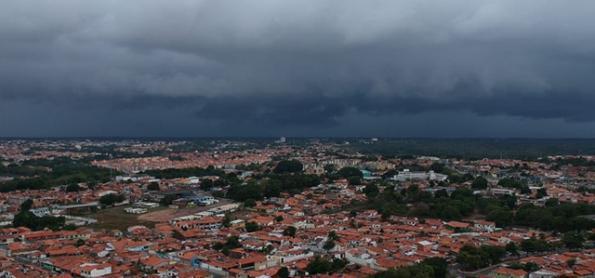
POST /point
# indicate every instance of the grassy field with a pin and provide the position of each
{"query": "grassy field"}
(117, 218)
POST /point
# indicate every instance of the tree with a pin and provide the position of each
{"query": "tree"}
(26, 205)
(177, 235)
(153, 186)
(267, 249)
(573, 240)
(420, 270)
(218, 194)
(206, 184)
(167, 199)
(512, 183)
(542, 192)
(525, 189)
(534, 245)
(26, 218)
(330, 168)
(509, 200)
(323, 265)
(502, 217)
(354, 180)
(73, 188)
(347, 172)
(495, 253)
(111, 199)
(283, 272)
(371, 190)
(328, 245)
(250, 203)
(224, 182)
(437, 167)
(272, 188)
(332, 235)
(241, 193)
(479, 183)
(512, 248)
(472, 258)
(288, 166)
(531, 267)
(290, 231)
(252, 226)
(233, 242)
(226, 220)
(439, 266)
(318, 265)
(552, 202)
(79, 242)
(442, 193)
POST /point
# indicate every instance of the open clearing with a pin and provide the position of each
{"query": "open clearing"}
(167, 214)
(116, 218)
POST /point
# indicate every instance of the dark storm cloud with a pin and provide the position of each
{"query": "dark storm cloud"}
(306, 64)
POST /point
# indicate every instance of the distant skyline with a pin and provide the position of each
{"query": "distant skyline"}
(269, 68)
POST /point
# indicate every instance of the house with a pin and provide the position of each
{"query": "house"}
(543, 273)
(484, 226)
(504, 272)
(457, 225)
(135, 210)
(406, 175)
(95, 270)
(152, 263)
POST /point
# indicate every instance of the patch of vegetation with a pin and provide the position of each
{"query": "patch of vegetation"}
(428, 268)
(477, 148)
(271, 186)
(183, 173)
(323, 265)
(472, 258)
(462, 203)
(26, 218)
(288, 166)
(63, 171)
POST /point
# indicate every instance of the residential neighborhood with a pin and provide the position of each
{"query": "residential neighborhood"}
(239, 209)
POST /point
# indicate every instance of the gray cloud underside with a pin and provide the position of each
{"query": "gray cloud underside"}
(302, 63)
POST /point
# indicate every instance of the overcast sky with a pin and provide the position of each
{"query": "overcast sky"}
(404, 68)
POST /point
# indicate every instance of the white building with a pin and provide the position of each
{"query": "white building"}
(135, 210)
(406, 175)
(95, 270)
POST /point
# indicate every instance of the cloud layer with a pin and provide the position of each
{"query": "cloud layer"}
(310, 66)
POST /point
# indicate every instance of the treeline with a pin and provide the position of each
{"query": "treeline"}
(472, 258)
(558, 217)
(63, 171)
(414, 202)
(504, 211)
(428, 268)
(271, 186)
(26, 218)
(322, 265)
(477, 148)
(15, 170)
(287, 176)
(186, 172)
(574, 161)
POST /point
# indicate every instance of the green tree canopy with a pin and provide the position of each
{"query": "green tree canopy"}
(288, 166)
(479, 183)
(111, 199)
